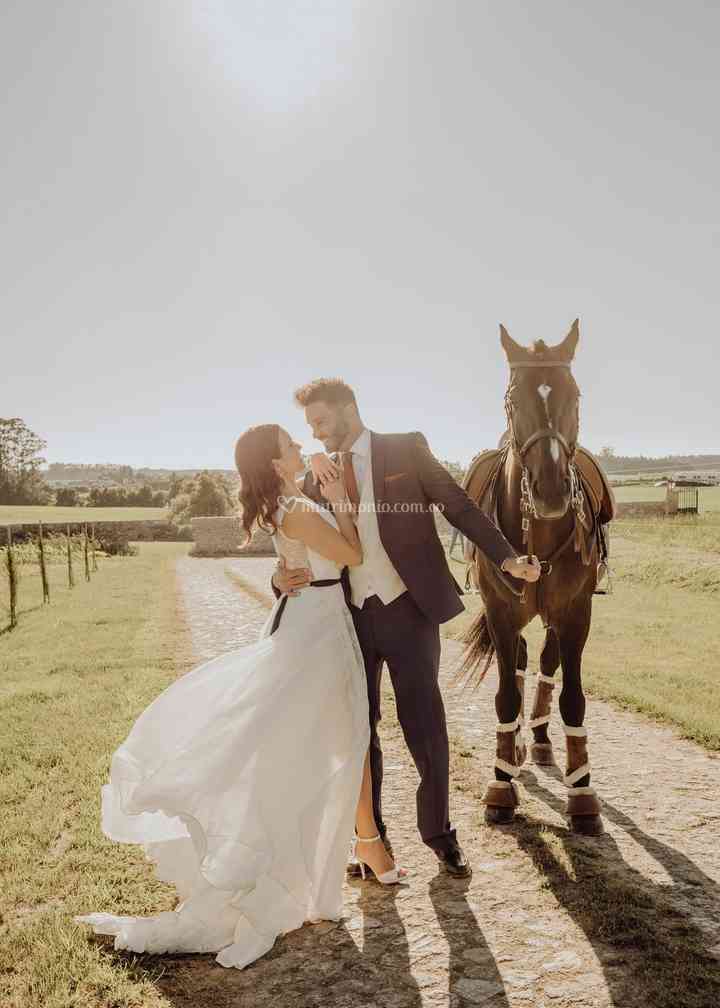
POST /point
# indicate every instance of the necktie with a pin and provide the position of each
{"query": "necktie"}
(350, 481)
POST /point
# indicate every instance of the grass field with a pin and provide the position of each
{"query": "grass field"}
(74, 677)
(709, 496)
(12, 515)
(655, 642)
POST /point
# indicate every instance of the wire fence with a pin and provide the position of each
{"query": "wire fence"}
(71, 550)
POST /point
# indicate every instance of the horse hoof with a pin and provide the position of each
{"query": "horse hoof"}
(587, 825)
(541, 754)
(496, 815)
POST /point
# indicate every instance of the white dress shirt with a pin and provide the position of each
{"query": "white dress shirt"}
(376, 574)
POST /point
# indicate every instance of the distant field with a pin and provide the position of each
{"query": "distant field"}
(11, 515)
(709, 496)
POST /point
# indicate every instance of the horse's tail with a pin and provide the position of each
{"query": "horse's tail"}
(478, 654)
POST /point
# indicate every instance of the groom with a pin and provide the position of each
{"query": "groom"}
(403, 590)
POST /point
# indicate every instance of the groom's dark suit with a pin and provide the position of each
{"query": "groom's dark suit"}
(407, 478)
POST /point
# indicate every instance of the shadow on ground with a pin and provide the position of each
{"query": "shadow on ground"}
(652, 940)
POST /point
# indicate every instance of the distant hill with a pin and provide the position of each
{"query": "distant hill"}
(98, 475)
(617, 465)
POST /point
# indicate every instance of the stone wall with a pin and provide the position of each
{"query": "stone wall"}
(225, 536)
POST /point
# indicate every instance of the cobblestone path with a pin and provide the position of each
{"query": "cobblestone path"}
(548, 918)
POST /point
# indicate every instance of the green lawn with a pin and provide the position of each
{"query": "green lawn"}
(74, 677)
(17, 515)
(655, 642)
(709, 496)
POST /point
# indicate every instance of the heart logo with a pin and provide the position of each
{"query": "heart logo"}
(287, 503)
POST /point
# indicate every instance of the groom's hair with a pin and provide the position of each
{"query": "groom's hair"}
(332, 391)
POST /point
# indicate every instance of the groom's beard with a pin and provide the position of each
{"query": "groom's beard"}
(334, 442)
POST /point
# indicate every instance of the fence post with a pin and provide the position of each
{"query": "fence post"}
(71, 578)
(93, 547)
(12, 578)
(43, 569)
(86, 552)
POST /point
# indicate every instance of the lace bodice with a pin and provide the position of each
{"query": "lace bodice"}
(296, 554)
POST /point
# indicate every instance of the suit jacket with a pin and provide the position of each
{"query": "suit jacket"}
(407, 478)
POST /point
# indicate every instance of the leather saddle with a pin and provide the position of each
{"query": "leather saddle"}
(481, 478)
(596, 486)
(485, 467)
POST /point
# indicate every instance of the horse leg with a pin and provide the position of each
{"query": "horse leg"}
(541, 751)
(520, 673)
(501, 797)
(583, 807)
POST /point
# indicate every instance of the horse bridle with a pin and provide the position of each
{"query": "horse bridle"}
(544, 432)
(527, 500)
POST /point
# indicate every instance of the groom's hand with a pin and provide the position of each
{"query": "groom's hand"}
(527, 568)
(290, 581)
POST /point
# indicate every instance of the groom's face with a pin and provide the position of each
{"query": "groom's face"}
(328, 424)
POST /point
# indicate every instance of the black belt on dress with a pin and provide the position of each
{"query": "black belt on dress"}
(323, 583)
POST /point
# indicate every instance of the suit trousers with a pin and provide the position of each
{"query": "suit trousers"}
(400, 635)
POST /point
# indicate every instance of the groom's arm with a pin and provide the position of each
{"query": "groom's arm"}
(460, 511)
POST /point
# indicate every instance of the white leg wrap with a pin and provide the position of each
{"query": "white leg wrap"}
(576, 775)
(537, 721)
(584, 791)
(520, 672)
(510, 726)
(550, 680)
(507, 768)
(575, 732)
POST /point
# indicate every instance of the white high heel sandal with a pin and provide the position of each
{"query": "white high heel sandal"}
(391, 877)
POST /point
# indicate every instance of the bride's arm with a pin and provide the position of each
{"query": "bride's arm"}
(305, 524)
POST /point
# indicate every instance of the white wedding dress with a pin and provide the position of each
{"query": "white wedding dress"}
(241, 781)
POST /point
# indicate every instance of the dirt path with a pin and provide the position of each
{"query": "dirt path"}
(548, 919)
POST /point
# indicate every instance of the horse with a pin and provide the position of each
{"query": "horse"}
(550, 498)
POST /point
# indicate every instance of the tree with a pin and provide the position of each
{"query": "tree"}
(205, 495)
(176, 485)
(607, 452)
(20, 479)
(209, 496)
(142, 497)
(66, 497)
(455, 469)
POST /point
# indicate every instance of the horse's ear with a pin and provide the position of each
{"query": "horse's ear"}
(511, 348)
(569, 344)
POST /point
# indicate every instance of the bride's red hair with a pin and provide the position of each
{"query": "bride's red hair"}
(260, 485)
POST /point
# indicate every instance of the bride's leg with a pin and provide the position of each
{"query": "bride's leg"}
(373, 854)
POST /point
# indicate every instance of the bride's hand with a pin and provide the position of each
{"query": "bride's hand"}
(323, 468)
(333, 490)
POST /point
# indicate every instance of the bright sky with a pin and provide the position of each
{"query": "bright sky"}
(210, 203)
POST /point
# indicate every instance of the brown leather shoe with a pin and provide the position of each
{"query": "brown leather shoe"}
(353, 867)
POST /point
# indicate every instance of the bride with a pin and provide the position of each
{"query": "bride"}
(243, 780)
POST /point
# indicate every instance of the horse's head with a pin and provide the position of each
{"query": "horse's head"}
(542, 405)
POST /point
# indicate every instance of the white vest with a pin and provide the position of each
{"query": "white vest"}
(376, 574)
